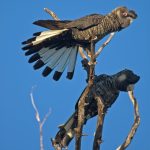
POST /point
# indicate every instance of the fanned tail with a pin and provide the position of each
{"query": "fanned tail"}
(51, 48)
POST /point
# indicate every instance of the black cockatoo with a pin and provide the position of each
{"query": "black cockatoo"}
(108, 88)
(58, 47)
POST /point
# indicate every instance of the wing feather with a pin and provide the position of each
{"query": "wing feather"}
(85, 22)
(72, 62)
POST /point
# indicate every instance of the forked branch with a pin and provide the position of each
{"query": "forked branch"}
(104, 44)
(40, 122)
(82, 53)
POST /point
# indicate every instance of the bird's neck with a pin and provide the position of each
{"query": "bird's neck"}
(113, 21)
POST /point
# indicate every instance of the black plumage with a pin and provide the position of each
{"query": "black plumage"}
(66, 36)
(108, 88)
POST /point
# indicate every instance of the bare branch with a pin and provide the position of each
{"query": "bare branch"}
(78, 130)
(46, 117)
(100, 122)
(92, 65)
(37, 116)
(81, 103)
(135, 124)
(82, 53)
(135, 104)
(50, 12)
(104, 44)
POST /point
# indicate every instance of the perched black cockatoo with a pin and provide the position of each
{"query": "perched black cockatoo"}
(105, 86)
(58, 47)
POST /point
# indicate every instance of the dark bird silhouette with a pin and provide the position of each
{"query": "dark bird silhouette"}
(58, 47)
(105, 86)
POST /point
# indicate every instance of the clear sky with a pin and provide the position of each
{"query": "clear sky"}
(128, 49)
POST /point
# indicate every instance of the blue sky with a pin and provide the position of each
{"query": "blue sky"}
(128, 49)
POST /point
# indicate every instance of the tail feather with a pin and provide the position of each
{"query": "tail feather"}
(56, 58)
(72, 63)
(37, 38)
(47, 56)
(38, 64)
(52, 48)
(66, 132)
(42, 36)
(43, 51)
(52, 32)
(33, 50)
(29, 40)
(64, 60)
(62, 64)
(57, 75)
(34, 58)
(37, 33)
(46, 71)
(69, 58)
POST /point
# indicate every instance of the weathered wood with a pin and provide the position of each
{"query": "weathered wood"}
(81, 103)
(100, 122)
(135, 125)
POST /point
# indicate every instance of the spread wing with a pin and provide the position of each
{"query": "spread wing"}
(85, 22)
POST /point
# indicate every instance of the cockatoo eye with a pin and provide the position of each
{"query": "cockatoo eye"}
(125, 14)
